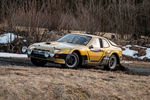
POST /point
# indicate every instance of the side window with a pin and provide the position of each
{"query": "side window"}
(96, 43)
(105, 44)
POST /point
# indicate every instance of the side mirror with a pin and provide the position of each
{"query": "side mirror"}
(91, 46)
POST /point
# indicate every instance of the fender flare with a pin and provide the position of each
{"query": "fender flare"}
(105, 60)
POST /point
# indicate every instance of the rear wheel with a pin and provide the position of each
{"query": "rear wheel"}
(38, 62)
(72, 61)
(112, 63)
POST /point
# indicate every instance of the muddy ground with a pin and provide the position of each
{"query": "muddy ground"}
(20, 80)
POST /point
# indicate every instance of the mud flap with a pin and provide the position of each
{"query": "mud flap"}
(105, 61)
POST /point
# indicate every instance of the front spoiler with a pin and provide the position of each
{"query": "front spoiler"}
(50, 59)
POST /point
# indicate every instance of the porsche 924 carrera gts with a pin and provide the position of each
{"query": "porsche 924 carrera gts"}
(74, 50)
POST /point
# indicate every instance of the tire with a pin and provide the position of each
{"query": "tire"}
(63, 65)
(38, 62)
(112, 64)
(72, 61)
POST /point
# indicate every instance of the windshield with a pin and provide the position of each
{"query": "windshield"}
(75, 39)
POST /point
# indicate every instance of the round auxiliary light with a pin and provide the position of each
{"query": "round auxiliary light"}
(24, 49)
(52, 53)
(46, 54)
(29, 51)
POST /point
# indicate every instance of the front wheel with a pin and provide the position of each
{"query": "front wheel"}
(38, 62)
(72, 60)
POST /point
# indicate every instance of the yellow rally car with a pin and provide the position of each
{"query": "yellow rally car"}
(73, 50)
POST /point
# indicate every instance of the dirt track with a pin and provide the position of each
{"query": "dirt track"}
(20, 80)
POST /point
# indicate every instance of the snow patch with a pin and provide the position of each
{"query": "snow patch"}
(132, 53)
(139, 46)
(129, 52)
(148, 53)
(24, 40)
(12, 55)
(127, 62)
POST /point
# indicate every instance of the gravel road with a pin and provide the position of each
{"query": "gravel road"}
(20, 80)
(137, 68)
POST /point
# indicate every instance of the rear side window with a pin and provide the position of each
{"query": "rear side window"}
(105, 43)
(96, 43)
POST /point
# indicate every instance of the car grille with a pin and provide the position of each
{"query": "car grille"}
(38, 53)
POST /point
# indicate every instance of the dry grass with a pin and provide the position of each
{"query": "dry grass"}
(28, 83)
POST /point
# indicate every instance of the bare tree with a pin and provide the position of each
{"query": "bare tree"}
(117, 16)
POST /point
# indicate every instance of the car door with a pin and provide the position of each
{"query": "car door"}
(95, 52)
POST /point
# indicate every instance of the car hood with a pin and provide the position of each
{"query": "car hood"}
(55, 45)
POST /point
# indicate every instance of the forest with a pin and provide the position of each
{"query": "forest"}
(115, 16)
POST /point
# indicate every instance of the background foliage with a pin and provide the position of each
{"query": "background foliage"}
(117, 16)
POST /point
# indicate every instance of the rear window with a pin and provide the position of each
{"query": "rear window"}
(112, 43)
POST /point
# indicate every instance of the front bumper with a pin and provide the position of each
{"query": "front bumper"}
(58, 58)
